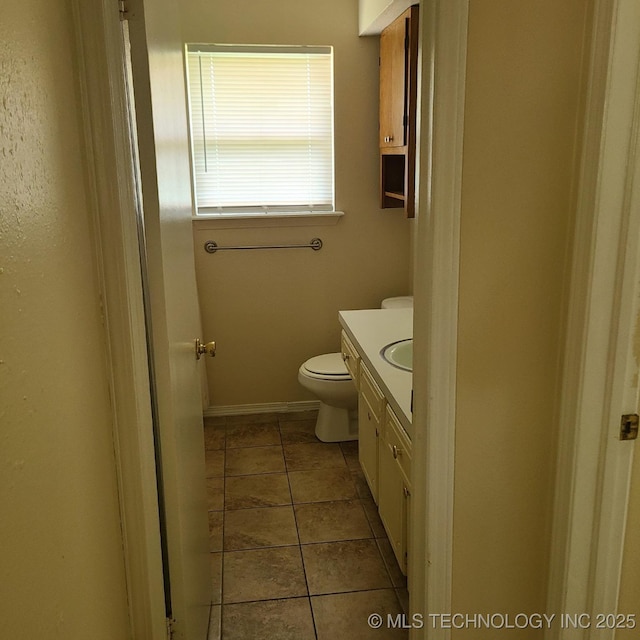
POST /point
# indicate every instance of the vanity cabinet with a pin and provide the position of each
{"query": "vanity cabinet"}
(370, 415)
(384, 451)
(394, 460)
(398, 104)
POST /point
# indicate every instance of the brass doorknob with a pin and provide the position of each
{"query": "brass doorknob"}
(209, 348)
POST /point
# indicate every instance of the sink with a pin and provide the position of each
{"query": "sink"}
(399, 354)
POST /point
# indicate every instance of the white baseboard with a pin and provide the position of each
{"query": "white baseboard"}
(268, 407)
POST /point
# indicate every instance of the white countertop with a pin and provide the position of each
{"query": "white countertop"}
(372, 329)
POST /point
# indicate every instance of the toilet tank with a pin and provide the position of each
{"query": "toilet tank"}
(399, 302)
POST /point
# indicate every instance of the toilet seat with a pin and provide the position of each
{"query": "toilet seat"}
(329, 366)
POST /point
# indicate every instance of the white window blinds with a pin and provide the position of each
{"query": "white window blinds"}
(261, 128)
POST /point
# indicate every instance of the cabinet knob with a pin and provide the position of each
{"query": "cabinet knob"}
(388, 138)
(369, 416)
(345, 356)
(395, 450)
(407, 493)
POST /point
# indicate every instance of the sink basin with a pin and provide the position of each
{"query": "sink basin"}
(399, 354)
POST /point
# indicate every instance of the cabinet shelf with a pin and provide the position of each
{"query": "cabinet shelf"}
(393, 194)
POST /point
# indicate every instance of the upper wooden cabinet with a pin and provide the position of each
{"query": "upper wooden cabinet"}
(398, 97)
(392, 85)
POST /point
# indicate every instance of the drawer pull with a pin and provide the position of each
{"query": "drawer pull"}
(395, 451)
(345, 356)
(368, 416)
(407, 493)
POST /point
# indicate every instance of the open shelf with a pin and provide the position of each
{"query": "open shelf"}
(392, 181)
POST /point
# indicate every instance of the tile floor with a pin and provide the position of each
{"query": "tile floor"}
(298, 551)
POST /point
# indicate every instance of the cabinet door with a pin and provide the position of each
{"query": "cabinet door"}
(392, 84)
(368, 434)
(394, 467)
(392, 503)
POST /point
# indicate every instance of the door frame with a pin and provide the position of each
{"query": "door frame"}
(110, 184)
(600, 369)
(442, 79)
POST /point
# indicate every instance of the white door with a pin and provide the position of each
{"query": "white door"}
(156, 59)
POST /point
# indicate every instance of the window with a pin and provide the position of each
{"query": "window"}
(261, 128)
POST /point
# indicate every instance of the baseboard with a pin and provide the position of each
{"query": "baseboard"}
(268, 407)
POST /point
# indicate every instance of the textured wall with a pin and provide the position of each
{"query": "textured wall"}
(61, 567)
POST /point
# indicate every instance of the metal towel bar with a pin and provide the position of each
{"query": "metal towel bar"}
(316, 244)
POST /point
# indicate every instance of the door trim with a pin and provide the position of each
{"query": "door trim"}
(600, 370)
(113, 200)
(443, 58)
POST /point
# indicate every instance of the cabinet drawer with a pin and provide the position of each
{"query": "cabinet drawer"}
(351, 358)
(398, 442)
(370, 390)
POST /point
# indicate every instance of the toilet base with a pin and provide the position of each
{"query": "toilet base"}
(336, 425)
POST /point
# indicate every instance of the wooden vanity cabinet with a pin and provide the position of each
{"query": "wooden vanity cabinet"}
(398, 103)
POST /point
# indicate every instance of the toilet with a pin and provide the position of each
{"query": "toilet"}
(326, 376)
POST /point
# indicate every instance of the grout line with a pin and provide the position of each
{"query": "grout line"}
(315, 595)
(304, 568)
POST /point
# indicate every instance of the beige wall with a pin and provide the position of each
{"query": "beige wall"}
(61, 566)
(271, 310)
(522, 104)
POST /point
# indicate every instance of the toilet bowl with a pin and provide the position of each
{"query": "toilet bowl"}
(326, 376)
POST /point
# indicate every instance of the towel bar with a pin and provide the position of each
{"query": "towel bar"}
(316, 244)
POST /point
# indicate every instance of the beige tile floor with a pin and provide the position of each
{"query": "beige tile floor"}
(298, 551)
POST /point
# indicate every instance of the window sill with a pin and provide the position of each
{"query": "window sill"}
(235, 221)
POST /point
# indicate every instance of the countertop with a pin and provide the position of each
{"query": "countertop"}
(372, 329)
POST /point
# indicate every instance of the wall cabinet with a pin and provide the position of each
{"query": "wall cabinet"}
(398, 103)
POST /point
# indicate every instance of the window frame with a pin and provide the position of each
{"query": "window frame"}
(232, 216)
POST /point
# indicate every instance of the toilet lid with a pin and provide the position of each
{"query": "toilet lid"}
(328, 364)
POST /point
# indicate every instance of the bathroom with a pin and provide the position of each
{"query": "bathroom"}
(78, 474)
(269, 311)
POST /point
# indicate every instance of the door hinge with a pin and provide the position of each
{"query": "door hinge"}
(629, 426)
(170, 628)
(124, 9)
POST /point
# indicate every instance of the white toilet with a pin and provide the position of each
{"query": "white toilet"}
(326, 376)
